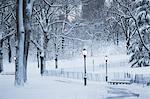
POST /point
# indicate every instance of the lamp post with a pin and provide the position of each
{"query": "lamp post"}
(106, 59)
(84, 52)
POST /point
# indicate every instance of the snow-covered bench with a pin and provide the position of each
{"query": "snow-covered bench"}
(127, 81)
(7, 73)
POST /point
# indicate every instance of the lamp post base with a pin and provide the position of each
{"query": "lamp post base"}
(106, 78)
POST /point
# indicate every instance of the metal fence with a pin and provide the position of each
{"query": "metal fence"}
(136, 78)
(142, 79)
(76, 75)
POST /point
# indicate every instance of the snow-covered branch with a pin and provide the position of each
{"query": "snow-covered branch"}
(135, 21)
(36, 44)
(52, 5)
(73, 38)
(10, 4)
(7, 35)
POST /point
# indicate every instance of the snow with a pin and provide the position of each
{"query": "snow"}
(51, 88)
(47, 87)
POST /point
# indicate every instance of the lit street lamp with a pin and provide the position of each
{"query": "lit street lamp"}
(15, 59)
(84, 52)
(106, 59)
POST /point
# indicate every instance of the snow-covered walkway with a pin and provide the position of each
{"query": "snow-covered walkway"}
(62, 88)
(48, 87)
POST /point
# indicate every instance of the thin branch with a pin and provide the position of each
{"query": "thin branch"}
(7, 5)
(73, 38)
(10, 34)
(36, 44)
(52, 5)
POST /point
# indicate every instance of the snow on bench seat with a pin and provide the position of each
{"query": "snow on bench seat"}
(119, 82)
(7, 73)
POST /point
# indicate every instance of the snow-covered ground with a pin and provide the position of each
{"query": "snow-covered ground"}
(60, 88)
(47, 87)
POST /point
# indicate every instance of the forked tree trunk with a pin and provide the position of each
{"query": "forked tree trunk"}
(43, 53)
(19, 76)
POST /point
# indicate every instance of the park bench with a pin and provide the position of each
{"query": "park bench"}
(7, 73)
(115, 82)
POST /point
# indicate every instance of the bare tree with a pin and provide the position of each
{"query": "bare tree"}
(7, 30)
(23, 12)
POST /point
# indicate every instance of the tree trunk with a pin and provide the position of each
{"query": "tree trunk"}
(1, 41)
(56, 61)
(127, 42)
(43, 62)
(19, 76)
(44, 41)
(56, 54)
(38, 57)
(27, 25)
(1, 57)
(9, 51)
(117, 39)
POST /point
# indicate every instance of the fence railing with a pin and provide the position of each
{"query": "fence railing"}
(76, 75)
(142, 79)
(136, 78)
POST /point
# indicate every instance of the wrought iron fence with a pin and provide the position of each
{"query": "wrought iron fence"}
(135, 78)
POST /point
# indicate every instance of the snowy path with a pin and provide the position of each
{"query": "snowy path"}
(49, 87)
(63, 88)
(121, 93)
